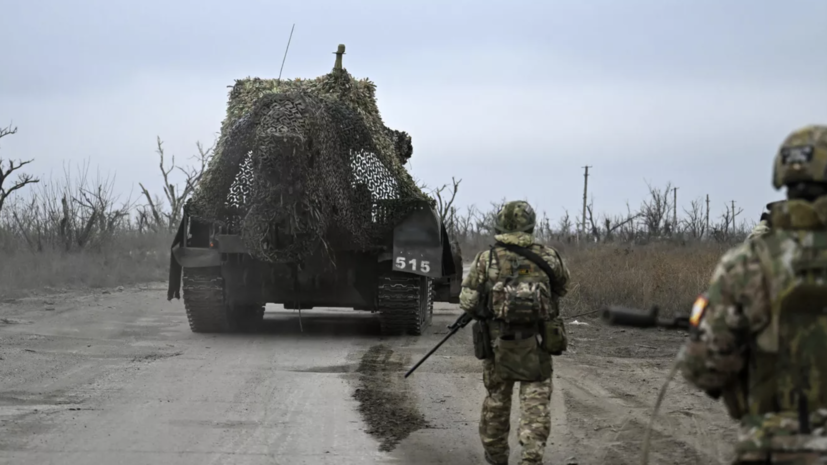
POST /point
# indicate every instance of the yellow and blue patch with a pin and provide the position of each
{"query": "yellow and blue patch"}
(698, 310)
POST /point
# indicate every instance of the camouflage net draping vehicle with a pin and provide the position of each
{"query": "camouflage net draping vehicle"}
(307, 203)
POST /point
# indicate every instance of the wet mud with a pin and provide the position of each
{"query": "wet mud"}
(385, 401)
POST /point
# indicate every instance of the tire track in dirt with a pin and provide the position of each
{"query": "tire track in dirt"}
(608, 411)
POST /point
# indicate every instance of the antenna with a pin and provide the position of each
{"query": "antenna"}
(285, 52)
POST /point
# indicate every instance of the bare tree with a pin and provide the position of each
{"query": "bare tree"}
(565, 225)
(653, 220)
(695, 221)
(611, 226)
(445, 200)
(152, 213)
(463, 224)
(22, 180)
(595, 230)
(628, 229)
(655, 211)
(616, 225)
(484, 222)
(543, 231)
(71, 214)
(725, 230)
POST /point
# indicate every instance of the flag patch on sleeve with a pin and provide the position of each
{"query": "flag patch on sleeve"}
(698, 310)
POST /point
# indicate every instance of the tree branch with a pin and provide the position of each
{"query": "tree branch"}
(23, 179)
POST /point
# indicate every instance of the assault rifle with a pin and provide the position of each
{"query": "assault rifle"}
(614, 315)
(461, 322)
(482, 305)
(623, 316)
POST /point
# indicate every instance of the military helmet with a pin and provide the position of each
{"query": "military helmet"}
(516, 216)
(802, 158)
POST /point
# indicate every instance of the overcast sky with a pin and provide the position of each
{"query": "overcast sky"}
(514, 97)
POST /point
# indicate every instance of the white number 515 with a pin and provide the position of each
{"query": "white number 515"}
(424, 265)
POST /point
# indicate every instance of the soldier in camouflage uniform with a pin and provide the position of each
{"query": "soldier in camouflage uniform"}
(759, 334)
(488, 279)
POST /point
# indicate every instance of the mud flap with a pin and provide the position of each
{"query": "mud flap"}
(197, 257)
(417, 244)
(451, 259)
(187, 257)
(174, 289)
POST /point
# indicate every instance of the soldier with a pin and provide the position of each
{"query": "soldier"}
(516, 304)
(758, 336)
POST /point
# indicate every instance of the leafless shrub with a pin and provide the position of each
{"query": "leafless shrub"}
(445, 199)
(74, 230)
(651, 222)
(156, 215)
(71, 213)
(695, 222)
(655, 212)
(725, 229)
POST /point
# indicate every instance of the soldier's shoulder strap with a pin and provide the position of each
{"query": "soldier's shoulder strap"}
(484, 279)
(530, 255)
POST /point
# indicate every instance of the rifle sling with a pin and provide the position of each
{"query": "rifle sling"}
(533, 257)
(482, 290)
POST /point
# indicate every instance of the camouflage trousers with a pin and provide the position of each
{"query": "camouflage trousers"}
(535, 417)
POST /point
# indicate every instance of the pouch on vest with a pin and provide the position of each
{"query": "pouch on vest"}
(555, 339)
(796, 339)
(482, 341)
(519, 297)
(801, 370)
(521, 359)
(519, 302)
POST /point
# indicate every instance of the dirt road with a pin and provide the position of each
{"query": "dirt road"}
(104, 378)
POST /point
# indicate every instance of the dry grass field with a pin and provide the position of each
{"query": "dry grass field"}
(129, 258)
(665, 275)
(668, 275)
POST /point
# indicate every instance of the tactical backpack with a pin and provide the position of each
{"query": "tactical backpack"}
(519, 302)
(801, 365)
(787, 372)
(521, 307)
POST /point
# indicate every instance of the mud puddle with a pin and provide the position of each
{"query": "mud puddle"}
(385, 403)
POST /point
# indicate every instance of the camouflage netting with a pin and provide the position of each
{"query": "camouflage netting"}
(304, 163)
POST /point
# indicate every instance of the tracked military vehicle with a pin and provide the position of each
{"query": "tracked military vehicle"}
(307, 203)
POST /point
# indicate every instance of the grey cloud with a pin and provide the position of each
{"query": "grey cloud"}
(88, 42)
(699, 93)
